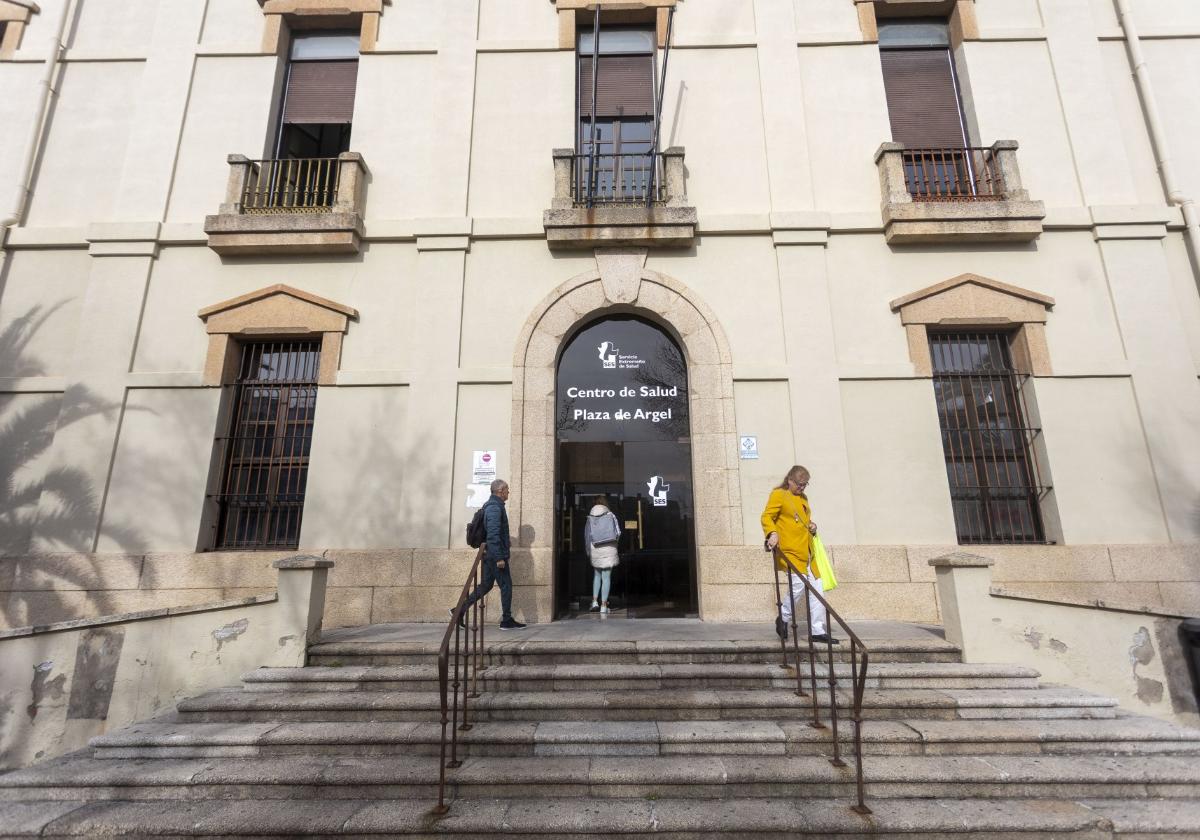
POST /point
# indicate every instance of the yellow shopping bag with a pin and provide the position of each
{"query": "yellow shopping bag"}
(824, 567)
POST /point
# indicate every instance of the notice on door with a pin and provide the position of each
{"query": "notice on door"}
(483, 466)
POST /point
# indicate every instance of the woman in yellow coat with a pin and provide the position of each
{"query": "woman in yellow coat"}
(787, 523)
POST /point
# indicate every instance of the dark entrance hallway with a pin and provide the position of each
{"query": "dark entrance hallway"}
(623, 435)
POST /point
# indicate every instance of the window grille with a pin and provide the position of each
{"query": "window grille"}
(995, 485)
(260, 497)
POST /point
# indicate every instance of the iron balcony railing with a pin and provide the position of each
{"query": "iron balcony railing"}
(291, 185)
(859, 656)
(954, 174)
(633, 178)
(463, 665)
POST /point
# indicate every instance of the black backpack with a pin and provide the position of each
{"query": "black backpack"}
(477, 529)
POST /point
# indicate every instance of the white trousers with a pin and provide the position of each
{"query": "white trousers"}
(815, 607)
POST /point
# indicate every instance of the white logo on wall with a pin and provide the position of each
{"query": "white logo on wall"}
(658, 491)
(608, 354)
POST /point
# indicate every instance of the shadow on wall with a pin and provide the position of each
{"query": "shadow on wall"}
(60, 502)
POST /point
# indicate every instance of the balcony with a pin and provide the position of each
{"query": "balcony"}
(955, 195)
(626, 199)
(290, 206)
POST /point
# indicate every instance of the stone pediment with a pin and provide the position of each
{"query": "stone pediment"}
(278, 309)
(972, 299)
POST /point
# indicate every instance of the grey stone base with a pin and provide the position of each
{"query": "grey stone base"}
(287, 233)
(580, 227)
(933, 222)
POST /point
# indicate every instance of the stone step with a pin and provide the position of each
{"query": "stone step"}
(591, 676)
(878, 704)
(1130, 736)
(613, 652)
(691, 776)
(550, 819)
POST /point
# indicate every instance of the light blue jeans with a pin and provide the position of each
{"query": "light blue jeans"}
(601, 581)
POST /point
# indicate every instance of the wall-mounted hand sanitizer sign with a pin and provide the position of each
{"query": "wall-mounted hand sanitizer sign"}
(748, 447)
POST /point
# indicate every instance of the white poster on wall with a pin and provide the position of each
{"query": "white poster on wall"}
(477, 494)
(483, 466)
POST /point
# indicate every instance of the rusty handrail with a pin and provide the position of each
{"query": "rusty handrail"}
(858, 677)
(967, 173)
(463, 658)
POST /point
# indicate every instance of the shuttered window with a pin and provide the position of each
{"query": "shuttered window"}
(320, 92)
(625, 87)
(922, 89)
(922, 98)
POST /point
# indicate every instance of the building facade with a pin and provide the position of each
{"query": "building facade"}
(303, 275)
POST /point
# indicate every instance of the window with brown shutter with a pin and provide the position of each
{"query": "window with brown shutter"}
(922, 98)
(620, 168)
(926, 113)
(318, 100)
(625, 87)
(320, 92)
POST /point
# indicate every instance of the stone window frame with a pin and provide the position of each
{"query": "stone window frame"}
(575, 13)
(14, 17)
(971, 301)
(279, 312)
(964, 26)
(280, 17)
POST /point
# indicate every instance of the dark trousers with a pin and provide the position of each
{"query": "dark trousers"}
(491, 577)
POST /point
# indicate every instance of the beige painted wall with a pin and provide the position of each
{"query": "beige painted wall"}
(897, 470)
(779, 108)
(764, 410)
(362, 479)
(160, 472)
(228, 112)
(81, 164)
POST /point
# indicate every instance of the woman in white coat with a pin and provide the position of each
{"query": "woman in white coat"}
(601, 533)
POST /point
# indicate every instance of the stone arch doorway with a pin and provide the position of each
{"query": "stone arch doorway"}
(623, 438)
(621, 285)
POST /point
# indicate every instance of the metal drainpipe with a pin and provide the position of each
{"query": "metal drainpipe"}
(45, 89)
(1158, 137)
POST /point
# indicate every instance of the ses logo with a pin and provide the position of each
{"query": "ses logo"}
(611, 358)
(658, 491)
(608, 355)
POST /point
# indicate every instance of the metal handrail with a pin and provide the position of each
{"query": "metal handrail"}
(464, 658)
(291, 185)
(858, 678)
(964, 173)
(626, 178)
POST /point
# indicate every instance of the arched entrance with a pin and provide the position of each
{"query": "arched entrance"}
(622, 285)
(623, 432)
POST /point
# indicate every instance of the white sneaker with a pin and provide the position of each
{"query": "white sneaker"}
(604, 610)
(595, 606)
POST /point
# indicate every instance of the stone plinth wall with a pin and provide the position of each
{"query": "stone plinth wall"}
(877, 581)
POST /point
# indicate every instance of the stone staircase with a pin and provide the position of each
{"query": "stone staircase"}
(683, 737)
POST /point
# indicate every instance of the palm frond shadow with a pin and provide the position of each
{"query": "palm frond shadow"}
(60, 502)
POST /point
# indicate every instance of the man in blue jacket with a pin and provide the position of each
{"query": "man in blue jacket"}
(496, 556)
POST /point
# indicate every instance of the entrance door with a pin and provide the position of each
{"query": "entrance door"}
(623, 435)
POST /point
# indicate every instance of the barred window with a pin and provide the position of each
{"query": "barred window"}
(265, 451)
(995, 485)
